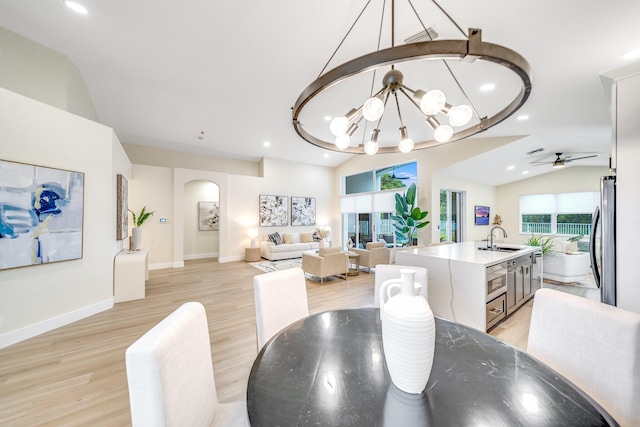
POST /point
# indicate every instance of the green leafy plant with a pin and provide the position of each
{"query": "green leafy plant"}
(545, 242)
(139, 219)
(575, 238)
(409, 218)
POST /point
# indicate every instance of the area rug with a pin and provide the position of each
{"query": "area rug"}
(283, 264)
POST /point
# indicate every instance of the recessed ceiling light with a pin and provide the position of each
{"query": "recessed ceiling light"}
(632, 54)
(327, 118)
(76, 7)
(523, 117)
(511, 168)
(525, 172)
(326, 155)
(487, 87)
(267, 144)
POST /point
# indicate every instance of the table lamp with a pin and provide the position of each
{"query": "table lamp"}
(253, 233)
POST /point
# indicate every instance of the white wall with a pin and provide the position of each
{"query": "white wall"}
(197, 243)
(39, 298)
(152, 187)
(43, 74)
(476, 194)
(567, 180)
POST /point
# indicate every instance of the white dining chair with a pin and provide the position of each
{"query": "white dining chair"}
(170, 375)
(280, 299)
(386, 272)
(594, 345)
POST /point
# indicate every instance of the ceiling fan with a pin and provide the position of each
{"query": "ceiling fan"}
(560, 161)
(393, 174)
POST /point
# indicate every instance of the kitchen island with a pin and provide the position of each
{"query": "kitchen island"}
(478, 288)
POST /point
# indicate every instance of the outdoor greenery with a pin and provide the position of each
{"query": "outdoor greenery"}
(139, 219)
(409, 218)
(388, 182)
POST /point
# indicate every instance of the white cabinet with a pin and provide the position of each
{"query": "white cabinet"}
(131, 270)
(624, 88)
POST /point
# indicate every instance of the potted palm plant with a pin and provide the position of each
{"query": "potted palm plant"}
(409, 218)
(136, 232)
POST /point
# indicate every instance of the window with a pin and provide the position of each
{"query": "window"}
(566, 214)
(368, 201)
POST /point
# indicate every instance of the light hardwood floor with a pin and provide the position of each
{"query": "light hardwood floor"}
(75, 375)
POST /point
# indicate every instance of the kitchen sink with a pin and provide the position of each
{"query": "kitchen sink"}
(503, 248)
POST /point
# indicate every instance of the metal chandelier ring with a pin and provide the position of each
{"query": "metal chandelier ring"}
(465, 50)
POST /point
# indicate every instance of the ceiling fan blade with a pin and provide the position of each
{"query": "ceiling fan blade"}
(580, 158)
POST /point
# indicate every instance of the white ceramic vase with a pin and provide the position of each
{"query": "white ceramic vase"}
(136, 238)
(408, 333)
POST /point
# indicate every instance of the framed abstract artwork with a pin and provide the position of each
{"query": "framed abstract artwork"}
(274, 211)
(41, 214)
(208, 216)
(303, 210)
(122, 208)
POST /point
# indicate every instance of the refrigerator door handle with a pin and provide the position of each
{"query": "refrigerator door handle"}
(592, 246)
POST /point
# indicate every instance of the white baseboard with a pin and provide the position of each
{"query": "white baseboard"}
(201, 256)
(161, 265)
(31, 331)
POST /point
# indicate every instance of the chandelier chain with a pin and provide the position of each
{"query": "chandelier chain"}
(448, 16)
(345, 37)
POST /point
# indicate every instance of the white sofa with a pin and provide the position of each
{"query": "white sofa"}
(273, 252)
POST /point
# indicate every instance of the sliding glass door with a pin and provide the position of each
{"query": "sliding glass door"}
(451, 216)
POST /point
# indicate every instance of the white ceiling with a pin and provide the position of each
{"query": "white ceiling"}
(160, 73)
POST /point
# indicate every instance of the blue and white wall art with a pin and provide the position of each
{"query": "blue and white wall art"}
(41, 214)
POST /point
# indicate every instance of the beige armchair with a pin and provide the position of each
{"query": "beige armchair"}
(374, 253)
(328, 262)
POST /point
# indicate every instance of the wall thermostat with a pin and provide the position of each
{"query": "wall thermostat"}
(163, 220)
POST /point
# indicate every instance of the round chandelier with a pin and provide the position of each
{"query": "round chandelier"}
(447, 122)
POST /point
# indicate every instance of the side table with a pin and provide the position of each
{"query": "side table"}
(131, 270)
(251, 254)
(354, 259)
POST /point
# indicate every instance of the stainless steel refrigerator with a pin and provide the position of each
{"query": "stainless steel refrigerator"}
(602, 242)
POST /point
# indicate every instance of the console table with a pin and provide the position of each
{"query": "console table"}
(131, 270)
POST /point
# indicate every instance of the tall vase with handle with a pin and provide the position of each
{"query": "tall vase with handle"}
(408, 333)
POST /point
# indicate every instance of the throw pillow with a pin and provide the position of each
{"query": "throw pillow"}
(275, 238)
(287, 238)
(316, 237)
(306, 237)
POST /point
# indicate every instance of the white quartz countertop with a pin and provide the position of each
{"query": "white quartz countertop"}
(469, 252)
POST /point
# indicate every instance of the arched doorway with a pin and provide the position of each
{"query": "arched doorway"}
(201, 220)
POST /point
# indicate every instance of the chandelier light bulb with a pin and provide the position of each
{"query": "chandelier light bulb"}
(433, 102)
(371, 148)
(343, 141)
(406, 143)
(443, 133)
(460, 115)
(339, 125)
(373, 109)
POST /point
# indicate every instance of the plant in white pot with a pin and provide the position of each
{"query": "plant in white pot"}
(136, 232)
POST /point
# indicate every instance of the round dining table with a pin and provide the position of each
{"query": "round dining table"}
(329, 369)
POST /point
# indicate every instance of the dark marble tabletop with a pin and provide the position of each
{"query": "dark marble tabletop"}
(329, 370)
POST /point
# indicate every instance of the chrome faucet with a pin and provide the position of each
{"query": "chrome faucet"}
(491, 246)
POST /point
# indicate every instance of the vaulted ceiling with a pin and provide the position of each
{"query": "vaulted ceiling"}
(220, 78)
